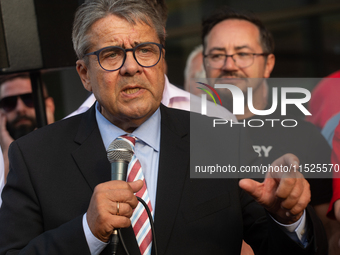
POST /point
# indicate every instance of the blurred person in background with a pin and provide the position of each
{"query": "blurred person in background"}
(334, 206)
(2, 174)
(329, 128)
(17, 113)
(238, 49)
(194, 69)
(324, 102)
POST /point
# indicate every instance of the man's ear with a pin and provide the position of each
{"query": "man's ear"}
(82, 70)
(269, 65)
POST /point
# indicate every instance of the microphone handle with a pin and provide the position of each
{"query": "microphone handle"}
(119, 170)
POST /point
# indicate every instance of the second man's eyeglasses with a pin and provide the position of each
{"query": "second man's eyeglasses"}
(241, 59)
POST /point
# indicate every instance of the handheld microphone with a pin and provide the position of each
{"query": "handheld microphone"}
(119, 155)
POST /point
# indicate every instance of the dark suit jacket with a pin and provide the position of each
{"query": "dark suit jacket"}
(54, 171)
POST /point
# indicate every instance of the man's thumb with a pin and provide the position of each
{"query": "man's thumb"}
(254, 188)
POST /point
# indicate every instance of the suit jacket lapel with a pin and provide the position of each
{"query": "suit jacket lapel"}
(90, 156)
(173, 168)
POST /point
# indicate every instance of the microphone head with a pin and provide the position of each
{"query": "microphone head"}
(119, 150)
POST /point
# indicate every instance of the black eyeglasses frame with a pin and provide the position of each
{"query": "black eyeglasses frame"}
(97, 53)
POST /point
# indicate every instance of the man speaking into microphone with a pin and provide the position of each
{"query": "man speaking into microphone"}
(60, 199)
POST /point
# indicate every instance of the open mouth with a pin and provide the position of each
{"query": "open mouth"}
(131, 91)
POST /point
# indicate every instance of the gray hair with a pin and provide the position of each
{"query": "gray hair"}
(188, 66)
(93, 10)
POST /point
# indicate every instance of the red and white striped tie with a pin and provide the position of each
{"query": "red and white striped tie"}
(139, 219)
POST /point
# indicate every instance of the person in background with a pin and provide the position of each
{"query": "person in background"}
(2, 175)
(324, 102)
(17, 113)
(329, 128)
(194, 69)
(239, 48)
(325, 106)
(334, 206)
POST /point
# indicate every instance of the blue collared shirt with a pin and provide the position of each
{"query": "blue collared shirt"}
(146, 148)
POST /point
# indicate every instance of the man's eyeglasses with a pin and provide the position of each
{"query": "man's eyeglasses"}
(241, 59)
(9, 103)
(113, 58)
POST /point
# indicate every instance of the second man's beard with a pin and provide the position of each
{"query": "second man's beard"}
(19, 131)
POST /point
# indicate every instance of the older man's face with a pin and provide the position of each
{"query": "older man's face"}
(133, 93)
